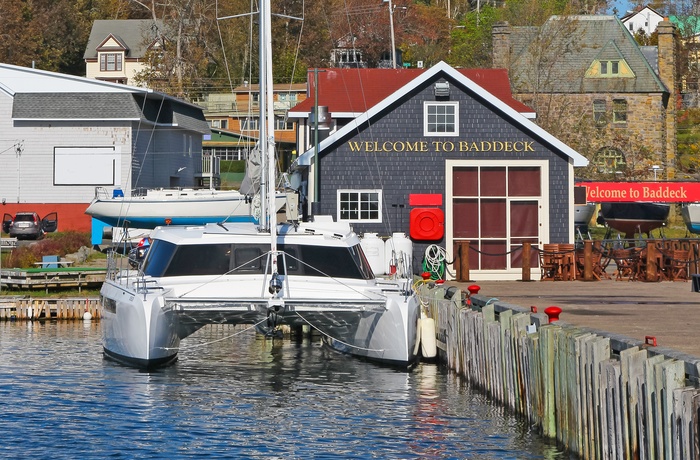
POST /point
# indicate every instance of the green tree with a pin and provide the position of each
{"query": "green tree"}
(471, 40)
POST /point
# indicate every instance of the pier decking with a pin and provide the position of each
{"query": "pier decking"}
(51, 278)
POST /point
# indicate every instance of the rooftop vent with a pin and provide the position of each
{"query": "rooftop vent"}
(442, 89)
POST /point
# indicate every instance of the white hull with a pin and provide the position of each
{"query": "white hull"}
(368, 318)
(176, 207)
(691, 216)
(583, 213)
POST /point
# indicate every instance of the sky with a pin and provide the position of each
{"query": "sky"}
(622, 7)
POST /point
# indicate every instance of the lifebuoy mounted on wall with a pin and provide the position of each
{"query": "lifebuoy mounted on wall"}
(427, 224)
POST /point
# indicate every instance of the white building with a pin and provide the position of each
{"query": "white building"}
(646, 19)
(62, 136)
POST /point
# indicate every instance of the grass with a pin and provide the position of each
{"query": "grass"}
(54, 293)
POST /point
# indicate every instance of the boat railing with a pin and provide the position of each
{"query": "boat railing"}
(101, 193)
(144, 286)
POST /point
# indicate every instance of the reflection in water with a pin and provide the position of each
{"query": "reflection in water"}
(236, 395)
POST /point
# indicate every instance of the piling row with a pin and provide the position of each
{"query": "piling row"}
(599, 397)
(38, 309)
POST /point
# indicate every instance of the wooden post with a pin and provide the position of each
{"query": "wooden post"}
(464, 261)
(588, 260)
(526, 261)
(651, 274)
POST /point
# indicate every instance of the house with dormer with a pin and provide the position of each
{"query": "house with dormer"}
(116, 49)
(441, 155)
(645, 19)
(597, 90)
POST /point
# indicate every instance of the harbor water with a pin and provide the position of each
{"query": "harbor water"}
(234, 395)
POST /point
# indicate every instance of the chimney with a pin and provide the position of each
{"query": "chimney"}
(668, 58)
(500, 33)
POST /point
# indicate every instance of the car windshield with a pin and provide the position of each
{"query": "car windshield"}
(24, 218)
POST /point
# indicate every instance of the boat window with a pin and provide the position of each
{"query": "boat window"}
(167, 259)
(158, 258)
(248, 259)
(209, 259)
(291, 258)
(326, 261)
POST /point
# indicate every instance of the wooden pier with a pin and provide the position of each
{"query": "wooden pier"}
(601, 395)
(51, 278)
(27, 309)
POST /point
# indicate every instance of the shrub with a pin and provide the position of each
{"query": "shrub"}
(58, 244)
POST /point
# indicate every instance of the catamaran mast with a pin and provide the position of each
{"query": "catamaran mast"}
(268, 218)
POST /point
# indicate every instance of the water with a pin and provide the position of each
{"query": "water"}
(234, 396)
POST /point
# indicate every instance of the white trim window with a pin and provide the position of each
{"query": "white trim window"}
(440, 118)
(359, 205)
(110, 62)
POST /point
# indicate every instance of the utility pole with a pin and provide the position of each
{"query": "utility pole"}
(393, 43)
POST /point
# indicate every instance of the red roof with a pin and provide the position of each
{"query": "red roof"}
(357, 90)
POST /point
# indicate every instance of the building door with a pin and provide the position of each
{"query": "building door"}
(497, 206)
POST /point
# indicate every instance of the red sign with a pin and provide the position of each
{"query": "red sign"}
(662, 192)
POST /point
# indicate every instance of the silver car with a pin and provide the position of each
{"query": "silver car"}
(28, 225)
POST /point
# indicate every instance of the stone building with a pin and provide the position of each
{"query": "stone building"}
(593, 87)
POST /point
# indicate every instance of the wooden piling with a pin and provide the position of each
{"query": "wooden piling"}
(28, 309)
(597, 401)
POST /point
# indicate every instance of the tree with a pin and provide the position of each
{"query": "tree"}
(471, 40)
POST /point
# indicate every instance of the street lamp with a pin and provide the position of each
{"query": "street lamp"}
(656, 168)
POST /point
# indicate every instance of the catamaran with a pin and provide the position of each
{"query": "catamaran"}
(264, 274)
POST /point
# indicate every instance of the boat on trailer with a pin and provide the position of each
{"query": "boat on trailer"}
(263, 274)
(635, 217)
(150, 208)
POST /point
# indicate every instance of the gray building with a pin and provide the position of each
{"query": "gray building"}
(63, 136)
(444, 143)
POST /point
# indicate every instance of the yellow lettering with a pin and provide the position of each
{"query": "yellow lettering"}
(485, 146)
(354, 146)
(528, 146)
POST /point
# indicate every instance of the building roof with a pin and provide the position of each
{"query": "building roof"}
(688, 26)
(458, 78)
(136, 34)
(555, 57)
(350, 92)
(647, 9)
(41, 95)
